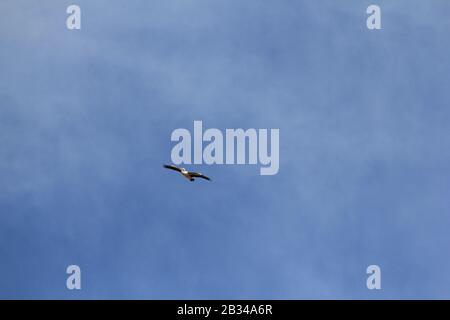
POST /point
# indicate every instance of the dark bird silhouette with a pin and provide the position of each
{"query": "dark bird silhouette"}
(187, 174)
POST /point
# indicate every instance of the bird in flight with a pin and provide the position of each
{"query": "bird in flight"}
(188, 174)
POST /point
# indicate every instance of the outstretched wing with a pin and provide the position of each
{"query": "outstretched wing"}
(198, 175)
(172, 167)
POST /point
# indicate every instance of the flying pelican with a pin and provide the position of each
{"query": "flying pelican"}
(188, 174)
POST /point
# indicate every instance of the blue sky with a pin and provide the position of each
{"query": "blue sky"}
(85, 124)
